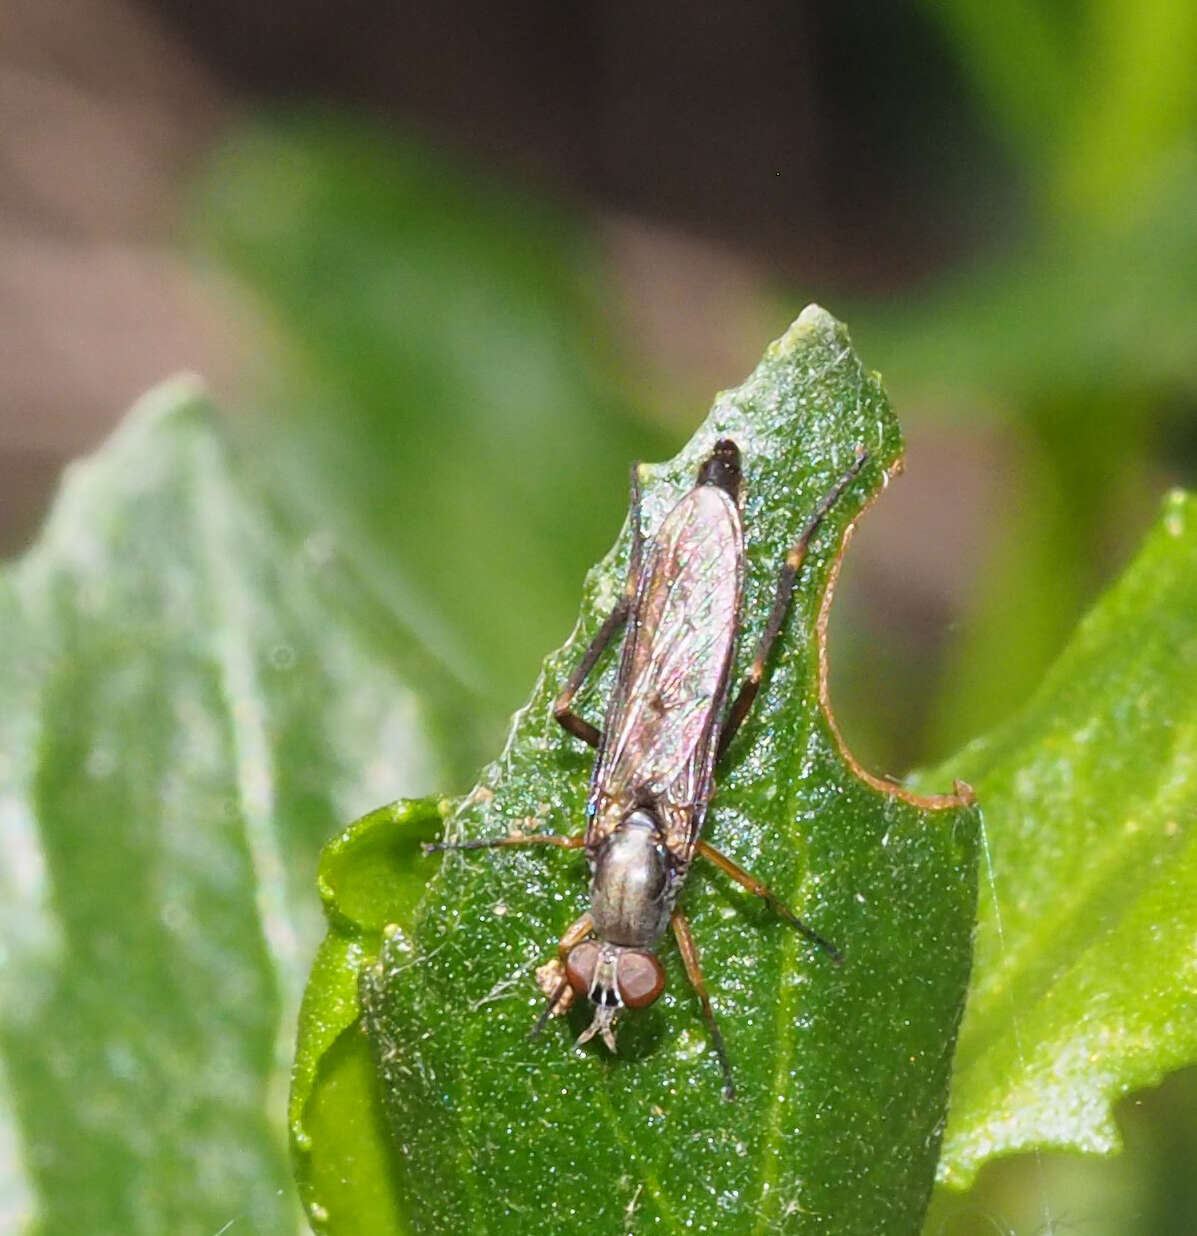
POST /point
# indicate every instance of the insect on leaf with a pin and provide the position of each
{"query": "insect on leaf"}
(842, 1072)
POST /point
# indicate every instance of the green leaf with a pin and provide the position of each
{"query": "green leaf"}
(369, 879)
(1085, 985)
(193, 697)
(842, 1072)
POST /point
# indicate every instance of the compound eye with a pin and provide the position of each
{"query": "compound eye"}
(641, 979)
(580, 964)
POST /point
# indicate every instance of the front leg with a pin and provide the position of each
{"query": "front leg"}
(552, 976)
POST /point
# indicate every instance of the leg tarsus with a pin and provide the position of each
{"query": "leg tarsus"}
(575, 725)
(754, 886)
(689, 952)
(547, 1011)
(575, 933)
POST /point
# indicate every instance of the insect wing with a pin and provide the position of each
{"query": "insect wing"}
(673, 672)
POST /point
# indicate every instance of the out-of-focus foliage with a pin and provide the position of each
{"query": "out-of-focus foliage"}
(194, 695)
(1085, 986)
(1074, 338)
(444, 404)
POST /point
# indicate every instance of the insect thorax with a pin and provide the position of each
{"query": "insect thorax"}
(630, 891)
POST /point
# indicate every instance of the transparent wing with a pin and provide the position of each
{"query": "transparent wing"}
(673, 672)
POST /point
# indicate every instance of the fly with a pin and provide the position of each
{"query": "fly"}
(666, 726)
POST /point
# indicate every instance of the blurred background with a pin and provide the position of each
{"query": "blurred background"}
(449, 268)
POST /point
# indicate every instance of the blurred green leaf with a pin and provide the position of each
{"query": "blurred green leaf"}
(1017, 56)
(442, 389)
(1073, 339)
(1096, 98)
(369, 879)
(1068, 312)
(1133, 108)
(194, 696)
(1085, 986)
(1074, 351)
(842, 1073)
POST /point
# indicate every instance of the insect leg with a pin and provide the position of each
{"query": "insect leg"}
(753, 885)
(781, 603)
(685, 943)
(569, 720)
(489, 843)
(575, 933)
(564, 714)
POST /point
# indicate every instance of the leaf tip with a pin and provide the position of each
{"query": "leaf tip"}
(815, 317)
(182, 398)
(812, 327)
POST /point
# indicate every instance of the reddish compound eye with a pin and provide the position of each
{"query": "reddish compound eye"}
(641, 979)
(580, 964)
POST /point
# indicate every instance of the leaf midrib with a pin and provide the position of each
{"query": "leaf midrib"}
(784, 1018)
